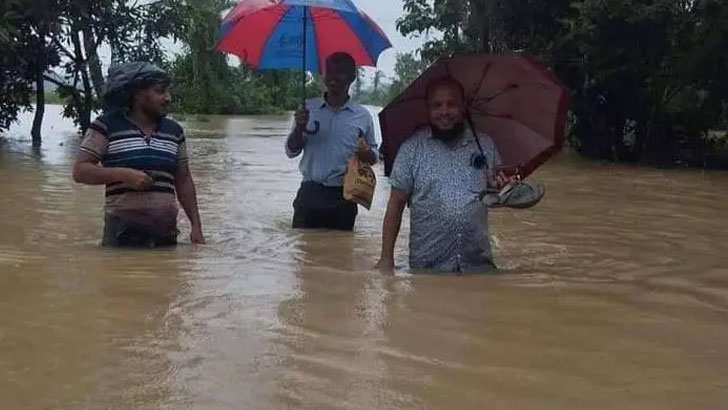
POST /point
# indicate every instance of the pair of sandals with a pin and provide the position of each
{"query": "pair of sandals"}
(517, 194)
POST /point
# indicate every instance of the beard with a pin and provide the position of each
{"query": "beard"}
(448, 135)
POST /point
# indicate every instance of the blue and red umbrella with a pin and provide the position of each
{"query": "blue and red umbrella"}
(278, 34)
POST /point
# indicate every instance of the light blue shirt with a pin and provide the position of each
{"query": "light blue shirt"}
(449, 225)
(326, 152)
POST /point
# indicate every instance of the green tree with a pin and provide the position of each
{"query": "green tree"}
(378, 75)
(24, 35)
(450, 17)
(646, 75)
(654, 99)
(132, 30)
(406, 69)
(15, 84)
(483, 26)
(358, 83)
(40, 25)
(202, 75)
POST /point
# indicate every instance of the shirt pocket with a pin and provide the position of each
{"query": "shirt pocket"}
(475, 179)
(351, 133)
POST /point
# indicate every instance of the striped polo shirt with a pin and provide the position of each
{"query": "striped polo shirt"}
(115, 141)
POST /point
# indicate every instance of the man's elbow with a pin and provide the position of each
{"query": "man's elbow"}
(184, 183)
(291, 153)
(78, 174)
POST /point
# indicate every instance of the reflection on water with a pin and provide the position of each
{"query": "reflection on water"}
(614, 294)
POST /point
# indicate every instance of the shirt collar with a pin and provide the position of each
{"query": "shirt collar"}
(348, 105)
(125, 115)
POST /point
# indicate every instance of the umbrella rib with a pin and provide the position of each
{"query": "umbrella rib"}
(510, 117)
(472, 100)
(501, 92)
(482, 81)
(494, 115)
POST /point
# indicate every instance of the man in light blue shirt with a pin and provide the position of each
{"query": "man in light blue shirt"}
(328, 131)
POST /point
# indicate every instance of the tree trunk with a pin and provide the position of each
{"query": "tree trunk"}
(39, 109)
(88, 96)
(92, 59)
(479, 22)
(87, 100)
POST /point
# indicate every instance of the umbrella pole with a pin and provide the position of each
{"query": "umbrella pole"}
(303, 72)
(475, 134)
(303, 66)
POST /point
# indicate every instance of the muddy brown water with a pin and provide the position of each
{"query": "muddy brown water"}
(613, 294)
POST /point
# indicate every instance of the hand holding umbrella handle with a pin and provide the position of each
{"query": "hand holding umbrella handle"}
(302, 117)
(509, 171)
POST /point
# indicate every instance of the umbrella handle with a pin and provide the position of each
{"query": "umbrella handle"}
(468, 118)
(316, 127)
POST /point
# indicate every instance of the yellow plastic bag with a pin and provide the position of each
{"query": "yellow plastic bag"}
(359, 182)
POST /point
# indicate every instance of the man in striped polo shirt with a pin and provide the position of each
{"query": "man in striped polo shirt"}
(141, 157)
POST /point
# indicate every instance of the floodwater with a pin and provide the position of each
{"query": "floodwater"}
(613, 294)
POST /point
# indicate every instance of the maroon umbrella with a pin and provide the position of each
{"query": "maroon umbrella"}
(512, 98)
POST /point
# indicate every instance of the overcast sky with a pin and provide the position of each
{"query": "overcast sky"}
(386, 13)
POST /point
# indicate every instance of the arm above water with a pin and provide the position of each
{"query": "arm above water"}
(87, 171)
(296, 140)
(187, 197)
(403, 183)
(390, 229)
(86, 168)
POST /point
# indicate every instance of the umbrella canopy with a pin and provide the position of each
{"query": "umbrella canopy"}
(512, 98)
(277, 34)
